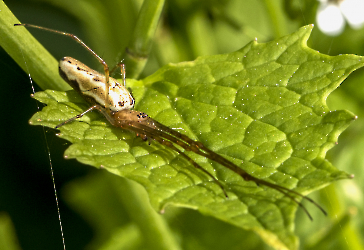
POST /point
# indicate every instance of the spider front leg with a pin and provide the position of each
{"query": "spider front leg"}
(195, 164)
(146, 128)
(144, 125)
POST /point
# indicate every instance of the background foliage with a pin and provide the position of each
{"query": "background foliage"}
(185, 33)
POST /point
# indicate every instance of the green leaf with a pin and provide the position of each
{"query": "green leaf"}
(8, 239)
(262, 107)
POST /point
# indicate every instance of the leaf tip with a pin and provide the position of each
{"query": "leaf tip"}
(305, 32)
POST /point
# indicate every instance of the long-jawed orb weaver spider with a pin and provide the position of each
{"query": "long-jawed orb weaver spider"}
(114, 101)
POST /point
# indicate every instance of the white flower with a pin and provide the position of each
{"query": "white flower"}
(331, 13)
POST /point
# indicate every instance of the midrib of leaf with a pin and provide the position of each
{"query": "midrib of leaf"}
(263, 107)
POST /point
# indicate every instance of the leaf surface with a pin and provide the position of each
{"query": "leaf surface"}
(262, 107)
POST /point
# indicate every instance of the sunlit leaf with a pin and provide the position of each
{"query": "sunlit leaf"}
(262, 107)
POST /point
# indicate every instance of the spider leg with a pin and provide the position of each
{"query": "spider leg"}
(78, 116)
(195, 164)
(149, 127)
(200, 149)
(146, 132)
(287, 192)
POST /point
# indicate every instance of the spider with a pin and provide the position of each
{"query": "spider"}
(115, 102)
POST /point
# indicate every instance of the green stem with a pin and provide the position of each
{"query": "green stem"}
(136, 54)
(28, 53)
(277, 17)
(152, 225)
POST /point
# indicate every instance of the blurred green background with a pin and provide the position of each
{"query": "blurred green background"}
(187, 29)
